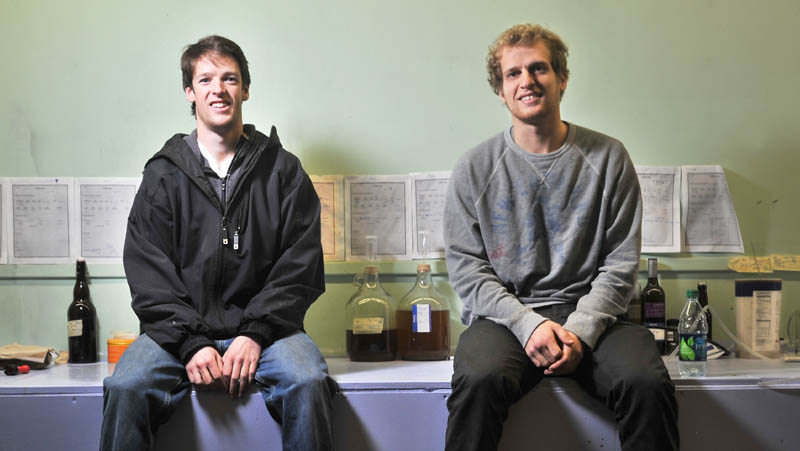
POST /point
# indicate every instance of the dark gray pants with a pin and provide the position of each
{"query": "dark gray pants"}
(624, 370)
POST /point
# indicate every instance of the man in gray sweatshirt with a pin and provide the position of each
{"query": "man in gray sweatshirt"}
(543, 231)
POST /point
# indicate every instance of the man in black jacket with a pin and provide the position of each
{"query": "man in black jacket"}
(223, 258)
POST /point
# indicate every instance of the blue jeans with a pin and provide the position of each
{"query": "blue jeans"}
(149, 383)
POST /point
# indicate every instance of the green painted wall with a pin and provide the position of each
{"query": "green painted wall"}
(92, 88)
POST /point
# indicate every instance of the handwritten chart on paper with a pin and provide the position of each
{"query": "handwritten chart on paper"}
(377, 205)
(41, 221)
(3, 245)
(785, 262)
(429, 192)
(711, 222)
(104, 207)
(661, 212)
(329, 189)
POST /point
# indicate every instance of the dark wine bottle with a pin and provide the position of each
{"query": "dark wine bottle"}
(702, 298)
(81, 320)
(654, 305)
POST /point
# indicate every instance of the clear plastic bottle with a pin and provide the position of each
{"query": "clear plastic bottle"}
(423, 321)
(370, 318)
(693, 332)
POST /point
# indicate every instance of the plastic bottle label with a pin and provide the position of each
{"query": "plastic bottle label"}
(75, 328)
(693, 348)
(421, 318)
(367, 326)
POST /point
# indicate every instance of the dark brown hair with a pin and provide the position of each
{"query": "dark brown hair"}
(216, 45)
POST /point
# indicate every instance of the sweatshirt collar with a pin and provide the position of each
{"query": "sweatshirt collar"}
(508, 135)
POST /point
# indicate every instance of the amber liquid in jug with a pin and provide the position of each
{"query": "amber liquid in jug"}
(370, 315)
(423, 321)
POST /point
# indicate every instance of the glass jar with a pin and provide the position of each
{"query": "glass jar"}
(370, 316)
(423, 321)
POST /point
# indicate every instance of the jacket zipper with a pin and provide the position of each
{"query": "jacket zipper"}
(224, 226)
(225, 208)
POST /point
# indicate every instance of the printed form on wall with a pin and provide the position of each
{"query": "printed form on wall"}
(330, 189)
(707, 210)
(378, 205)
(103, 206)
(40, 223)
(661, 212)
(429, 192)
(3, 241)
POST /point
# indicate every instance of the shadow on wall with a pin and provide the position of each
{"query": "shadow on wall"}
(755, 209)
(328, 159)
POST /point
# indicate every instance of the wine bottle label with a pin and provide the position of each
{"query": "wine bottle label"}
(693, 347)
(362, 326)
(421, 318)
(654, 310)
(75, 328)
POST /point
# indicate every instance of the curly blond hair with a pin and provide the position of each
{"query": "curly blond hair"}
(526, 35)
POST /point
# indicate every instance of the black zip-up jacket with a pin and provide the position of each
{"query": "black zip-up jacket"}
(201, 270)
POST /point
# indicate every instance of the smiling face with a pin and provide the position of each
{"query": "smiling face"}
(531, 89)
(218, 91)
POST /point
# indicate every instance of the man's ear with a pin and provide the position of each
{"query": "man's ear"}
(245, 92)
(190, 94)
(563, 85)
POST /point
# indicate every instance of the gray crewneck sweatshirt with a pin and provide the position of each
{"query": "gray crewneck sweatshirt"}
(529, 230)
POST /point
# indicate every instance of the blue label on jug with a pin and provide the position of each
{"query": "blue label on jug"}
(421, 318)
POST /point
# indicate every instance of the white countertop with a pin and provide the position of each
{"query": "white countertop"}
(405, 375)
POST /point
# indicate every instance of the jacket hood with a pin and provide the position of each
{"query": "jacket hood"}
(180, 154)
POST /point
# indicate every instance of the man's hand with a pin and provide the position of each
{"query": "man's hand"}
(240, 363)
(555, 348)
(205, 369)
(572, 354)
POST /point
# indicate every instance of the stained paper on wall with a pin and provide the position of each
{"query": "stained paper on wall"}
(330, 189)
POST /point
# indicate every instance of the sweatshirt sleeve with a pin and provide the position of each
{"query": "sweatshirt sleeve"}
(470, 271)
(297, 277)
(159, 297)
(613, 286)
